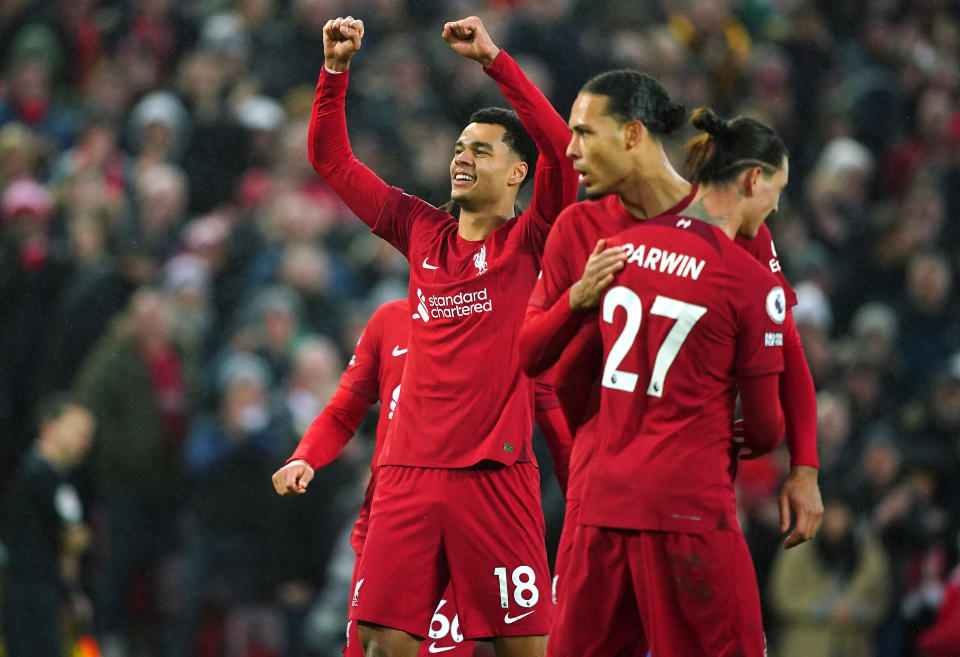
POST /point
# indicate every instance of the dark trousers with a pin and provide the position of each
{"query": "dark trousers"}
(32, 618)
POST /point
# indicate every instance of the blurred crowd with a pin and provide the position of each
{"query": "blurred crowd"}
(168, 256)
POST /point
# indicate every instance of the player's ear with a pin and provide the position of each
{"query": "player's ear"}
(633, 133)
(518, 173)
(751, 177)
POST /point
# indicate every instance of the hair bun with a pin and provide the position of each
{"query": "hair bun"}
(706, 119)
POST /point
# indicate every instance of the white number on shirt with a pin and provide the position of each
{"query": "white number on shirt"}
(686, 314)
(525, 592)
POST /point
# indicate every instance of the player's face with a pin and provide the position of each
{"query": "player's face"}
(73, 433)
(483, 168)
(764, 201)
(597, 145)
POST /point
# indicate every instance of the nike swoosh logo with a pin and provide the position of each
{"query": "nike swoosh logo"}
(508, 619)
(397, 351)
(434, 649)
(428, 266)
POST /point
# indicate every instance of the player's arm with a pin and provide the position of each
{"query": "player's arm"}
(553, 425)
(555, 183)
(763, 423)
(545, 333)
(800, 493)
(328, 145)
(332, 429)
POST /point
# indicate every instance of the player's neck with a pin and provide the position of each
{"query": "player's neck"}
(718, 206)
(476, 224)
(645, 195)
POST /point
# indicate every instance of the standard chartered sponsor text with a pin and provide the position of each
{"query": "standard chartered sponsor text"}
(460, 304)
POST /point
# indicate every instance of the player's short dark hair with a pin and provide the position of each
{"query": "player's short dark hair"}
(635, 96)
(727, 148)
(52, 407)
(516, 136)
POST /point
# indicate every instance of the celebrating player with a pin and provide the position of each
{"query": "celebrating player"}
(457, 495)
(688, 319)
(374, 374)
(618, 120)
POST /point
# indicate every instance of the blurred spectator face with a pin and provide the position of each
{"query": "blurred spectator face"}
(108, 89)
(833, 421)
(934, 112)
(244, 406)
(881, 463)
(928, 282)
(26, 210)
(924, 214)
(292, 217)
(863, 384)
(837, 521)
(30, 90)
(163, 196)
(946, 403)
(18, 152)
(305, 268)
(86, 238)
(152, 317)
(69, 435)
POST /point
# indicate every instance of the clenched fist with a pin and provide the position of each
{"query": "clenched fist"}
(468, 37)
(341, 40)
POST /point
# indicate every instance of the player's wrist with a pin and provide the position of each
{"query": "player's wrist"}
(804, 471)
(336, 65)
(487, 59)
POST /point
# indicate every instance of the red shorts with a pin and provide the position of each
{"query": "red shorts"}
(444, 637)
(571, 523)
(678, 595)
(479, 529)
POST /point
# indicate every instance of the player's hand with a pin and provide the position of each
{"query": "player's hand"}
(468, 37)
(602, 265)
(801, 495)
(341, 40)
(292, 479)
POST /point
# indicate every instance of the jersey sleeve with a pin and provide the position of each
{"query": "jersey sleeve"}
(556, 273)
(328, 148)
(798, 399)
(362, 375)
(763, 251)
(555, 181)
(332, 429)
(762, 313)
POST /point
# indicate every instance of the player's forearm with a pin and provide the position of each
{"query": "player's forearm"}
(328, 147)
(544, 334)
(763, 423)
(547, 128)
(798, 399)
(327, 435)
(553, 426)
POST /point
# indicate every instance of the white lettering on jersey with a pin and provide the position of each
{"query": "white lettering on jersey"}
(774, 262)
(683, 223)
(773, 339)
(667, 262)
(460, 304)
(356, 594)
(777, 305)
(480, 260)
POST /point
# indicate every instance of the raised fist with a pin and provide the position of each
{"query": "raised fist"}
(468, 37)
(341, 39)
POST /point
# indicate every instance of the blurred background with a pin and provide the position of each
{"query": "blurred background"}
(168, 255)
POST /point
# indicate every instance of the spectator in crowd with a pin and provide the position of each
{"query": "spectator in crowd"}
(831, 592)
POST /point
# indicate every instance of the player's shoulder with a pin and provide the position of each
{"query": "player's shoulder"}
(588, 210)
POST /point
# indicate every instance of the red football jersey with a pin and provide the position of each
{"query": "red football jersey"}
(464, 397)
(569, 245)
(762, 249)
(374, 372)
(689, 315)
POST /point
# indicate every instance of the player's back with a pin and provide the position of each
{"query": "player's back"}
(687, 316)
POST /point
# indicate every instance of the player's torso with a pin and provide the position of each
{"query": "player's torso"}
(667, 385)
(462, 380)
